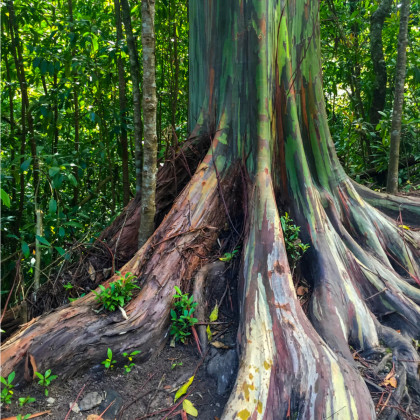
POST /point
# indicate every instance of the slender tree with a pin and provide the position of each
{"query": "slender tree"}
(400, 69)
(135, 79)
(378, 60)
(148, 190)
(122, 88)
(256, 92)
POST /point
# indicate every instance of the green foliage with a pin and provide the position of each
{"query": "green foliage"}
(294, 246)
(182, 315)
(118, 293)
(7, 391)
(108, 362)
(26, 400)
(229, 256)
(46, 379)
(23, 417)
(130, 364)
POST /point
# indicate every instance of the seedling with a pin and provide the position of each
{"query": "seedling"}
(130, 364)
(182, 315)
(45, 380)
(229, 256)
(294, 246)
(109, 363)
(176, 364)
(118, 293)
(7, 391)
(68, 286)
(25, 417)
(26, 400)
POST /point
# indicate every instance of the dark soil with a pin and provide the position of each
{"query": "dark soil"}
(151, 386)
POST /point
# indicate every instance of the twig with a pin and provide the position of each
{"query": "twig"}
(78, 396)
(106, 409)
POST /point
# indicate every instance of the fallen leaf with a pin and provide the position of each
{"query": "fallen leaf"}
(124, 314)
(189, 408)
(214, 313)
(209, 333)
(181, 391)
(219, 345)
(390, 379)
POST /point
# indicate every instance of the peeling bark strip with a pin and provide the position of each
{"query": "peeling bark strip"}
(255, 83)
(148, 189)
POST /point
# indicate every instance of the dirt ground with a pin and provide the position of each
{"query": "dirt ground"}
(150, 387)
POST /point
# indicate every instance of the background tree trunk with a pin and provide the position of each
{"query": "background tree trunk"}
(378, 60)
(148, 189)
(400, 69)
(123, 106)
(135, 79)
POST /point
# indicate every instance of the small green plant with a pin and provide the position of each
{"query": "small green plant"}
(26, 400)
(176, 364)
(294, 246)
(45, 379)
(7, 391)
(229, 256)
(25, 417)
(109, 363)
(118, 293)
(68, 286)
(182, 315)
(130, 364)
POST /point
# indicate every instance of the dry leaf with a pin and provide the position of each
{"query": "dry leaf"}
(301, 291)
(219, 345)
(214, 313)
(189, 408)
(390, 379)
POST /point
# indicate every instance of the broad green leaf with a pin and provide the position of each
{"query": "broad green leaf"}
(74, 224)
(42, 240)
(61, 231)
(184, 388)
(72, 179)
(25, 165)
(52, 206)
(25, 249)
(60, 250)
(189, 408)
(5, 197)
(214, 313)
(54, 170)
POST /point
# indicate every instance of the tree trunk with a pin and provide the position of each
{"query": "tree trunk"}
(135, 79)
(123, 107)
(378, 60)
(148, 188)
(76, 116)
(256, 91)
(400, 68)
(20, 70)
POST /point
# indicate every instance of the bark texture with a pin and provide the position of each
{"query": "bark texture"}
(148, 189)
(394, 153)
(256, 91)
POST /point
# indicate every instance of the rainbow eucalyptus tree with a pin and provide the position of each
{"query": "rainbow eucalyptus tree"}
(256, 91)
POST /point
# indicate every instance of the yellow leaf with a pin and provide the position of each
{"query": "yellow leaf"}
(189, 408)
(214, 313)
(181, 391)
(404, 227)
(209, 333)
